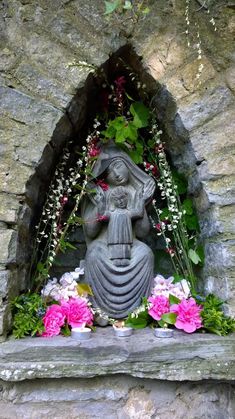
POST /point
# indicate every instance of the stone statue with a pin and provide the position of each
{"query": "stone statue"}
(118, 266)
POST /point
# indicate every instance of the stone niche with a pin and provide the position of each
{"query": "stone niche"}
(22, 210)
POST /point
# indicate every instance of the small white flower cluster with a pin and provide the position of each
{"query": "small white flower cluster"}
(65, 288)
(165, 286)
(51, 226)
(139, 310)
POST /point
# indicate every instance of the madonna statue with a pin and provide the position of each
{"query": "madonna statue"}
(118, 265)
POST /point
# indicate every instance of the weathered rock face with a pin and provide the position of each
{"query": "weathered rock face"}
(115, 398)
(41, 107)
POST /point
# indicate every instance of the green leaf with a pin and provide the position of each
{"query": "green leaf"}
(173, 299)
(187, 205)
(84, 289)
(131, 131)
(135, 156)
(141, 114)
(146, 10)
(169, 318)
(177, 278)
(193, 256)
(136, 323)
(191, 222)
(180, 182)
(201, 254)
(110, 7)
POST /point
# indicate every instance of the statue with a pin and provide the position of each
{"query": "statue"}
(118, 265)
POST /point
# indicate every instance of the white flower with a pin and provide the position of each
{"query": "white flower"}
(66, 279)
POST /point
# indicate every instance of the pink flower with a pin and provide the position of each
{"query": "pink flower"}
(188, 315)
(53, 320)
(159, 306)
(77, 312)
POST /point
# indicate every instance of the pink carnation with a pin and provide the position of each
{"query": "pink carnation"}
(188, 315)
(53, 320)
(77, 312)
(159, 306)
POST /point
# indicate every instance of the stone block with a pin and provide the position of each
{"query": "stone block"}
(198, 108)
(36, 82)
(214, 144)
(27, 110)
(7, 246)
(4, 283)
(220, 191)
(184, 357)
(9, 206)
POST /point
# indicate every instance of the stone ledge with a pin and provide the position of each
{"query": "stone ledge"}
(183, 357)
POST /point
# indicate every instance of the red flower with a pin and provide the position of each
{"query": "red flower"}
(158, 227)
(94, 152)
(120, 82)
(102, 184)
(101, 217)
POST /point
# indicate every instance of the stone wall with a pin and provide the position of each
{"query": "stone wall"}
(42, 104)
(116, 398)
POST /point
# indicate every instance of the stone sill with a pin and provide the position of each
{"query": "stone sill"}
(184, 357)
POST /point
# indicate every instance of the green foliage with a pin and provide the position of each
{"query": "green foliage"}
(169, 318)
(140, 318)
(193, 256)
(28, 310)
(180, 182)
(214, 319)
(111, 6)
(140, 113)
(173, 299)
(125, 132)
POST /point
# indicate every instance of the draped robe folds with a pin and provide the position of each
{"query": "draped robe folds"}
(117, 289)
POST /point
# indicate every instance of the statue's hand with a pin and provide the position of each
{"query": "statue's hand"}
(149, 188)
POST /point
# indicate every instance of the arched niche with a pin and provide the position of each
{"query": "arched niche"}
(80, 113)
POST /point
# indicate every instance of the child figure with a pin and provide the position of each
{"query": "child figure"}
(120, 234)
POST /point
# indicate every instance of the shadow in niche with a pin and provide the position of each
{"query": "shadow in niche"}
(73, 129)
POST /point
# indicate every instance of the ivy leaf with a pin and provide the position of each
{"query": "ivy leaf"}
(192, 254)
(131, 131)
(173, 299)
(110, 7)
(169, 318)
(141, 114)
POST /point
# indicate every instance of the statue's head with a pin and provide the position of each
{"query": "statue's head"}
(117, 173)
(120, 197)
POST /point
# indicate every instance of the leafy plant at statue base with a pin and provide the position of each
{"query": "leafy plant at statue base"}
(214, 319)
(28, 311)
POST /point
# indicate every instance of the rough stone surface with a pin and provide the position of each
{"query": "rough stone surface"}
(115, 398)
(184, 357)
